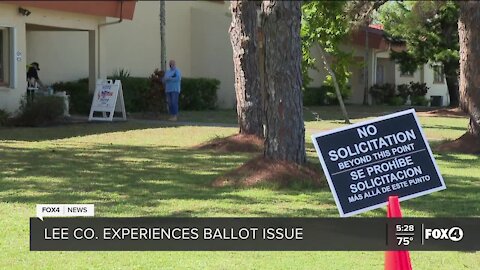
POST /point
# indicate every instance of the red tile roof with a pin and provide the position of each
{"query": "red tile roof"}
(124, 9)
(376, 26)
(376, 38)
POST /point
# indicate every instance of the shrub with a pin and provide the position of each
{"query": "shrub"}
(198, 94)
(331, 94)
(120, 74)
(154, 98)
(342, 81)
(404, 91)
(396, 101)
(43, 110)
(376, 91)
(4, 117)
(418, 89)
(314, 96)
(419, 101)
(323, 95)
(80, 98)
(382, 93)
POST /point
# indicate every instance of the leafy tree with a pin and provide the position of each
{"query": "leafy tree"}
(469, 42)
(324, 27)
(430, 31)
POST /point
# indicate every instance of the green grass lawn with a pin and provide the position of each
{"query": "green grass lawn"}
(148, 169)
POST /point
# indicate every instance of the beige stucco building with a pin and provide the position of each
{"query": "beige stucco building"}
(71, 45)
(196, 37)
(22, 22)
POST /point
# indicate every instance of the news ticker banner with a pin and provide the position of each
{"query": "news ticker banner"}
(367, 162)
(254, 234)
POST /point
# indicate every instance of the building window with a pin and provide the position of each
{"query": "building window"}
(380, 74)
(438, 76)
(361, 75)
(4, 56)
(406, 74)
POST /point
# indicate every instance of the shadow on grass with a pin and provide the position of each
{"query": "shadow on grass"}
(129, 180)
(333, 112)
(445, 127)
(31, 134)
(454, 160)
(460, 199)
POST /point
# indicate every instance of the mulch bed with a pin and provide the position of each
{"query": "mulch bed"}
(445, 112)
(235, 143)
(466, 144)
(283, 174)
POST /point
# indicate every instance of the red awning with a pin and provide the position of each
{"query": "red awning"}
(117, 9)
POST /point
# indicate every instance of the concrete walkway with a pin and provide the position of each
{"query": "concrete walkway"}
(84, 119)
(182, 123)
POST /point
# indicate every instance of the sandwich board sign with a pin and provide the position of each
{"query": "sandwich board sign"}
(367, 162)
(107, 99)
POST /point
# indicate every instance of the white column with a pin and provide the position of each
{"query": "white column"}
(92, 60)
(372, 71)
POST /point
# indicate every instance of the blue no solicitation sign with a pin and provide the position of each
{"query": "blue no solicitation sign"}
(365, 163)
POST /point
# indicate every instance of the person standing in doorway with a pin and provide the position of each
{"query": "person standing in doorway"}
(33, 81)
(172, 80)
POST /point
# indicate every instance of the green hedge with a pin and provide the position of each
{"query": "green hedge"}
(80, 99)
(196, 94)
(135, 90)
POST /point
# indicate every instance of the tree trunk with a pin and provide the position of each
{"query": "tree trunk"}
(367, 63)
(468, 30)
(243, 36)
(285, 130)
(335, 83)
(449, 30)
(163, 49)
(451, 78)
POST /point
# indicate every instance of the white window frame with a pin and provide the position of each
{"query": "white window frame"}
(12, 63)
(406, 74)
(440, 73)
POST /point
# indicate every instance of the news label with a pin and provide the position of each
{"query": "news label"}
(65, 210)
(269, 234)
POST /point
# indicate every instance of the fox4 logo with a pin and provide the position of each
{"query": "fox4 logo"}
(454, 234)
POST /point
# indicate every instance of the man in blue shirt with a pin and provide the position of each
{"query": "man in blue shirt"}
(172, 80)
